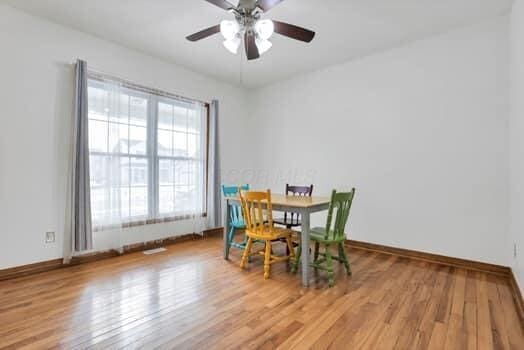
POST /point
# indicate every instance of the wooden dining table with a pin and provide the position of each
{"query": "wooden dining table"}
(304, 206)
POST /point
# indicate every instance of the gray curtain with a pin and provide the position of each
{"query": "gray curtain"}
(81, 230)
(214, 216)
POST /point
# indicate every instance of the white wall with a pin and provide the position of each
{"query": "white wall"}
(420, 131)
(36, 82)
(517, 139)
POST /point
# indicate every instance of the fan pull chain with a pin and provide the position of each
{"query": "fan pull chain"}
(241, 66)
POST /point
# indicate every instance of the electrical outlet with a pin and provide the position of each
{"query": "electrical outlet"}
(50, 237)
(515, 250)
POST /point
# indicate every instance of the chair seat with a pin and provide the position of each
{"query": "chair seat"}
(270, 234)
(318, 234)
(287, 222)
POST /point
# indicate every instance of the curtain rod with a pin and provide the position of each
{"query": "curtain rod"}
(102, 75)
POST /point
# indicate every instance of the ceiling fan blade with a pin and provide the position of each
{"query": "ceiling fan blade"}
(294, 32)
(251, 47)
(222, 4)
(204, 33)
(267, 5)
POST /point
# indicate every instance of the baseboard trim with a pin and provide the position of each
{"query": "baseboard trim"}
(219, 231)
(435, 258)
(30, 269)
(517, 296)
(92, 257)
(44, 266)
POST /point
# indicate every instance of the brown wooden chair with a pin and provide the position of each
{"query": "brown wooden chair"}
(291, 220)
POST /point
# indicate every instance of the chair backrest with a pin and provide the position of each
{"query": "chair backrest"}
(338, 214)
(235, 210)
(257, 210)
(232, 191)
(304, 191)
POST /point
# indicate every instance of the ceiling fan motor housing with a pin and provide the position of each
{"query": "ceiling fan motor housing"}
(247, 5)
(247, 22)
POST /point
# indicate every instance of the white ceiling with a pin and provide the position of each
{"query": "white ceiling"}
(345, 29)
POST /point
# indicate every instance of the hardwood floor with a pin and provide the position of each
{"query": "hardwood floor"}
(190, 298)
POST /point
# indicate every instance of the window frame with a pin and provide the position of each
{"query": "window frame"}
(154, 97)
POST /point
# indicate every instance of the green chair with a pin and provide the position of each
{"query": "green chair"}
(330, 236)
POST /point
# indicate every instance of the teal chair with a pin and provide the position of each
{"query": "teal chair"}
(332, 235)
(236, 219)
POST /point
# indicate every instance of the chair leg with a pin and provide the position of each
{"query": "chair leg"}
(290, 249)
(244, 243)
(330, 271)
(267, 260)
(317, 248)
(246, 253)
(249, 258)
(342, 254)
(230, 236)
(294, 265)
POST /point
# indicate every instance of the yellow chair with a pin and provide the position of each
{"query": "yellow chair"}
(259, 227)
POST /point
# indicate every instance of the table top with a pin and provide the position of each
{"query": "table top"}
(295, 201)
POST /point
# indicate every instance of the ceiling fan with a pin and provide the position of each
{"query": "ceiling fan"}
(248, 24)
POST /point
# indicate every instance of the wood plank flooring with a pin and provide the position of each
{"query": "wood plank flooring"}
(190, 298)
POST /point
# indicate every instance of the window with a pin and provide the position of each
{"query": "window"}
(147, 154)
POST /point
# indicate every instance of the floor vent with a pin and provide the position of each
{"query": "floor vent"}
(154, 251)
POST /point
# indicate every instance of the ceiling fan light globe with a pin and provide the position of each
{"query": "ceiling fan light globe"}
(232, 45)
(229, 29)
(263, 45)
(265, 28)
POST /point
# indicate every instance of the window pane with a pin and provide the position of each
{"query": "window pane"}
(138, 111)
(97, 170)
(124, 202)
(180, 146)
(194, 121)
(182, 200)
(165, 116)
(196, 174)
(193, 199)
(166, 169)
(97, 136)
(124, 172)
(118, 138)
(138, 172)
(137, 140)
(180, 115)
(113, 214)
(138, 201)
(193, 145)
(118, 108)
(165, 143)
(98, 204)
(182, 172)
(97, 103)
(166, 197)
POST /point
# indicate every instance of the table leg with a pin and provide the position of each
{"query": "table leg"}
(227, 215)
(305, 248)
